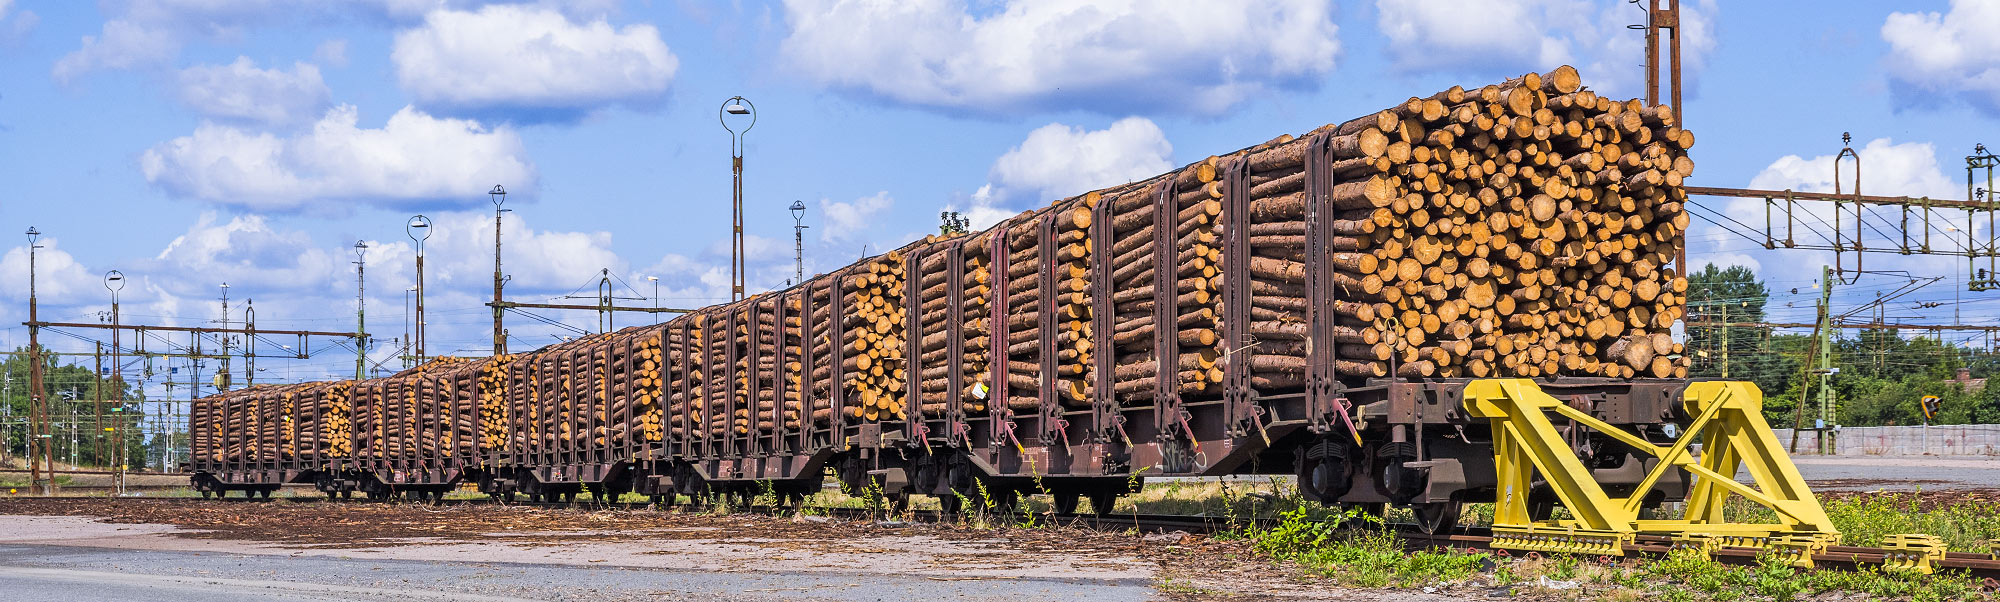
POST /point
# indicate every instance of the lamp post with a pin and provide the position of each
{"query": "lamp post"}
(419, 230)
(360, 309)
(656, 295)
(736, 105)
(36, 413)
(798, 241)
(408, 342)
(114, 281)
(499, 195)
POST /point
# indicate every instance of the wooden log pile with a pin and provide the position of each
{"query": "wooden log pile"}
(976, 317)
(935, 315)
(1519, 229)
(493, 414)
(337, 420)
(686, 386)
(648, 384)
(824, 352)
(873, 355)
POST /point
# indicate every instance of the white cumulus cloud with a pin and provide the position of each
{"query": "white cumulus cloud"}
(1889, 169)
(1905, 169)
(1951, 54)
(240, 91)
(1509, 37)
(533, 61)
(414, 159)
(57, 274)
(1057, 161)
(846, 221)
(1114, 56)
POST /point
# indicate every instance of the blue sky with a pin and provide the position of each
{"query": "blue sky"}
(192, 142)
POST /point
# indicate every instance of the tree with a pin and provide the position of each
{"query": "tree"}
(71, 392)
(1734, 294)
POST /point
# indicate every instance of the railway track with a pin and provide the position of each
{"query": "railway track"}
(1985, 566)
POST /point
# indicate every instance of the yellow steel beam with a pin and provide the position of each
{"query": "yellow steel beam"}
(1728, 424)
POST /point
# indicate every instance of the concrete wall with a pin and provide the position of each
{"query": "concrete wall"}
(1947, 440)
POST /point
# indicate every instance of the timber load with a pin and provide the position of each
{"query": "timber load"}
(1523, 229)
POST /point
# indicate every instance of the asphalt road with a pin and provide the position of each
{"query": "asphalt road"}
(59, 572)
(1899, 473)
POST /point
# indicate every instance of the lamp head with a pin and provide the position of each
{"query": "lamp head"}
(737, 105)
(360, 248)
(419, 228)
(798, 210)
(114, 280)
(33, 235)
(499, 194)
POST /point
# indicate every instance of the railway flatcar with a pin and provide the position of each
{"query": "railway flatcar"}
(1315, 306)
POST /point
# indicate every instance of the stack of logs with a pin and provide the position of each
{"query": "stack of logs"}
(337, 419)
(493, 412)
(825, 351)
(1197, 277)
(873, 355)
(644, 392)
(1519, 229)
(935, 312)
(685, 393)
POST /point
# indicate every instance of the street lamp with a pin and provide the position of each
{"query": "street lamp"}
(736, 105)
(419, 230)
(656, 291)
(114, 281)
(799, 240)
(499, 195)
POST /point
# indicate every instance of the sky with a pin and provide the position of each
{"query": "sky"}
(189, 143)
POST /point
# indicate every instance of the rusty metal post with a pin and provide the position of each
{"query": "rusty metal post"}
(37, 434)
(736, 105)
(499, 194)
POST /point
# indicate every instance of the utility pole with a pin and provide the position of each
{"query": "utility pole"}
(114, 281)
(499, 195)
(1823, 426)
(97, 402)
(360, 310)
(222, 376)
(37, 434)
(1725, 340)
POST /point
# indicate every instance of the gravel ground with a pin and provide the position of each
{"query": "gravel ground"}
(165, 551)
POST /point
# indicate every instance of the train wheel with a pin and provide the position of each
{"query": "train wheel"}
(1437, 517)
(205, 494)
(1101, 503)
(569, 497)
(1005, 501)
(951, 505)
(1065, 501)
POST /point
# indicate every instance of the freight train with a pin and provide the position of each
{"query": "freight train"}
(1312, 306)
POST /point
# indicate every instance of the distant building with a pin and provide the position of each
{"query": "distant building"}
(1964, 379)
